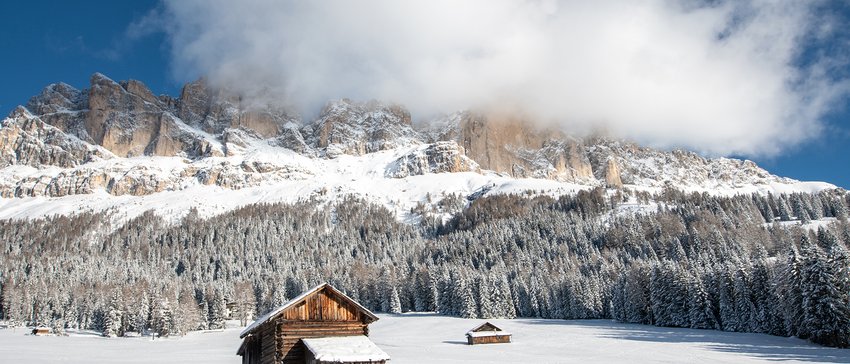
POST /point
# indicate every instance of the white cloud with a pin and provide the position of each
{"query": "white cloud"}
(720, 79)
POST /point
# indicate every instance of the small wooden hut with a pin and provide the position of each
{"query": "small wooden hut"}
(487, 333)
(322, 312)
(41, 331)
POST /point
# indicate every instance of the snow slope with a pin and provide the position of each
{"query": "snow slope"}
(297, 178)
(321, 179)
(427, 338)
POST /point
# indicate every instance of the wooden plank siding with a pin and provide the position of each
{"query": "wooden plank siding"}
(495, 339)
(268, 352)
(323, 307)
(291, 333)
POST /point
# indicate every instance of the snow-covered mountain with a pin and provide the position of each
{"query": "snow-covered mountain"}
(117, 146)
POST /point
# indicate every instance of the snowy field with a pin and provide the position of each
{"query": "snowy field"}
(421, 338)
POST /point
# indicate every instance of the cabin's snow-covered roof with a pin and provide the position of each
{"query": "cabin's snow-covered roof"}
(274, 313)
(345, 349)
(487, 333)
(487, 326)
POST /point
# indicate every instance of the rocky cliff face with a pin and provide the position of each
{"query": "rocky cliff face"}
(514, 146)
(214, 111)
(27, 140)
(347, 127)
(127, 119)
(439, 157)
(76, 142)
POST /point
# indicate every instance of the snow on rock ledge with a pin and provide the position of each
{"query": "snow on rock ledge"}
(440, 157)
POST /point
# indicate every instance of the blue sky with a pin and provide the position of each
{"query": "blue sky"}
(52, 41)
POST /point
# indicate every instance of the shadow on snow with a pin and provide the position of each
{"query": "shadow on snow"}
(762, 346)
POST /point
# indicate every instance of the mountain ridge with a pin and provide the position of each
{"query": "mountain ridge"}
(116, 140)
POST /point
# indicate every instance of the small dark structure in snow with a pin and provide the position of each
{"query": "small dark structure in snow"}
(291, 332)
(41, 331)
(487, 333)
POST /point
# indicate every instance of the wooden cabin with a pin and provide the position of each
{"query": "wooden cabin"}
(41, 331)
(322, 312)
(487, 333)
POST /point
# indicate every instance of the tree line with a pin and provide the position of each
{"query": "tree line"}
(748, 263)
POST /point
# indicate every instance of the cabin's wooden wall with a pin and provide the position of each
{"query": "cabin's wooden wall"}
(252, 353)
(291, 332)
(268, 354)
(496, 339)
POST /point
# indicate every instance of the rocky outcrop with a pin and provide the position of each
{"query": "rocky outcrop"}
(27, 140)
(347, 127)
(146, 178)
(440, 157)
(612, 175)
(62, 106)
(292, 139)
(215, 110)
(637, 165)
(205, 109)
(123, 118)
(514, 146)
(127, 119)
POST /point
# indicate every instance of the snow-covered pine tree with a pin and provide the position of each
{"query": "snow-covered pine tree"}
(277, 299)
(431, 294)
(463, 300)
(162, 318)
(445, 300)
(701, 312)
(638, 307)
(669, 295)
(838, 332)
(825, 312)
(744, 307)
(761, 293)
(729, 320)
(790, 289)
(420, 291)
(112, 317)
(618, 303)
(395, 302)
(187, 314)
(485, 296)
(506, 300)
(217, 310)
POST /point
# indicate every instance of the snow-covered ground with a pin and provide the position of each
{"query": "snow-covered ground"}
(208, 347)
(426, 338)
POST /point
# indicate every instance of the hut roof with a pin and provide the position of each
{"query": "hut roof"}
(277, 311)
(345, 349)
(487, 333)
(485, 327)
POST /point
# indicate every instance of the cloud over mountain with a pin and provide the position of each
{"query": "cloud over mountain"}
(719, 77)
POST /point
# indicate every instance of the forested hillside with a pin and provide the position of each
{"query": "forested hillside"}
(749, 263)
